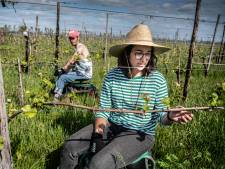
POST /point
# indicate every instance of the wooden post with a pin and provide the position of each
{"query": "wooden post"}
(106, 36)
(212, 46)
(3, 3)
(176, 37)
(21, 98)
(27, 50)
(85, 34)
(36, 27)
(191, 49)
(222, 54)
(5, 156)
(111, 35)
(57, 37)
(36, 35)
(177, 55)
(178, 72)
(218, 60)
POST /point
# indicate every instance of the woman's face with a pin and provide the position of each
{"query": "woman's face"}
(139, 57)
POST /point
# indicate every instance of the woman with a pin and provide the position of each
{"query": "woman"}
(78, 67)
(133, 85)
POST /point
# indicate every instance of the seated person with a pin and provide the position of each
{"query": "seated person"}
(126, 136)
(78, 67)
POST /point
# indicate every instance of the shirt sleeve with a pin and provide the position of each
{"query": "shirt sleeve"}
(105, 99)
(161, 94)
(82, 50)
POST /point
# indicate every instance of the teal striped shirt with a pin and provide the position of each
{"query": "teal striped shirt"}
(120, 92)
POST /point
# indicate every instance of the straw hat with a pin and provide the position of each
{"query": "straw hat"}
(139, 35)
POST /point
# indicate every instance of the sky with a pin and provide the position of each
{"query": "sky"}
(90, 15)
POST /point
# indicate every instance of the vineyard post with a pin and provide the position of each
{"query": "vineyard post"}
(191, 49)
(27, 50)
(178, 71)
(222, 54)
(176, 37)
(178, 54)
(3, 3)
(106, 36)
(57, 37)
(36, 27)
(111, 35)
(165, 62)
(36, 35)
(218, 59)
(21, 98)
(5, 156)
(85, 34)
(212, 47)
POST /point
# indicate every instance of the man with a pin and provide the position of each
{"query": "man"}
(78, 67)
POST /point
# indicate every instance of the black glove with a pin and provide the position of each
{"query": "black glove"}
(96, 142)
(59, 72)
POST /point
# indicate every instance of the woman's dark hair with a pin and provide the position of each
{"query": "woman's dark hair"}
(124, 63)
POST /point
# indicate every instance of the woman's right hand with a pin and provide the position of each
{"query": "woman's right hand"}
(180, 116)
(100, 124)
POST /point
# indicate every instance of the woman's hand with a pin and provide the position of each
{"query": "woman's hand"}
(100, 124)
(180, 116)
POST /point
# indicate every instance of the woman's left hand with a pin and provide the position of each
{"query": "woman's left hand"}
(180, 116)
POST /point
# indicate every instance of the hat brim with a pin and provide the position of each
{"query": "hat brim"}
(117, 50)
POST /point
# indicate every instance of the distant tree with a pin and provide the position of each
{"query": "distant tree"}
(2, 35)
(6, 28)
(22, 28)
(3, 3)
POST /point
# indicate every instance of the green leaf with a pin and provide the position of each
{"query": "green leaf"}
(213, 103)
(138, 108)
(18, 155)
(9, 100)
(214, 96)
(207, 156)
(23, 63)
(145, 97)
(146, 107)
(1, 143)
(28, 111)
(40, 74)
(223, 86)
(163, 164)
(172, 158)
(48, 83)
(166, 101)
(198, 156)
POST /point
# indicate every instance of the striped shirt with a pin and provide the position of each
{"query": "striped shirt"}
(120, 92)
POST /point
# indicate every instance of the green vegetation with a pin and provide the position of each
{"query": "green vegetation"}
(38, 133)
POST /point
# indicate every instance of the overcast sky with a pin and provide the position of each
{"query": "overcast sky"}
(95, 21)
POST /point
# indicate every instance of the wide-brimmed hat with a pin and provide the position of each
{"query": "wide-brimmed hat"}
(139, 35)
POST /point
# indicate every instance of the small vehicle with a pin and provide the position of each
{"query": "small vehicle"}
(145, 161)
(80, 86)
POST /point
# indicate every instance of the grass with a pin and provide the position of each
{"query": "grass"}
(36, 142)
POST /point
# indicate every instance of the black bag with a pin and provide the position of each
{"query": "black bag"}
(59, 72)
(97, 143)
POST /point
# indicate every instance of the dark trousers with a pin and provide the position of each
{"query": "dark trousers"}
(122, 147)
